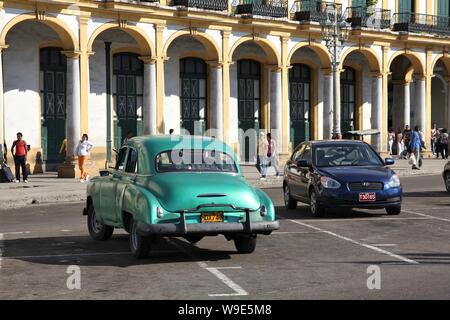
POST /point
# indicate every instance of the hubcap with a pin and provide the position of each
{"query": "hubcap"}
(97, 227)
(286, 195)
(134, 236)
(313, 202)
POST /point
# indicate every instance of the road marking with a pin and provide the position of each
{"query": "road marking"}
(17, 232)
(238, 291)
(426, 215)
(1, 250)
(367, 219)
(393, 255)
(384, 245)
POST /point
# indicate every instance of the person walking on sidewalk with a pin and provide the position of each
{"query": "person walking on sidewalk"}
(434, 132)
(414, 146)
(20, 157)
(82, 152)
(391, 138)
(272, 159)
(262, 155)
(406, 140)
(444, 144)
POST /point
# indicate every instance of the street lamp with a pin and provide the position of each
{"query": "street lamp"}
(335, 31)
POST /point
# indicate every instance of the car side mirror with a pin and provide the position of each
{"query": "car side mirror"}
(303, 164)
(389, 161)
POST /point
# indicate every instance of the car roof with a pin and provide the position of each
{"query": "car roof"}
(343, 141)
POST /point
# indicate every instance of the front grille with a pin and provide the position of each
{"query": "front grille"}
(365, 186)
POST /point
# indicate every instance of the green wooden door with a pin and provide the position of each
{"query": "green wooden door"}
(443, 8)
(348, 100)
(358, 3)
(405, 6)
(128, 96)
(193, 78)
(249, 104)
(53, 66)
(299, 103)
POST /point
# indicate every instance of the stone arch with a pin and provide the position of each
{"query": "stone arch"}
(319, 49)
(445, 58)
(68, 39)
(414, 59)
(268, 47)
(139, 35)
(368, 53)
(211, 47)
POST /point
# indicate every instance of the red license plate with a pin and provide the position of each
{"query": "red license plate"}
(367, 197)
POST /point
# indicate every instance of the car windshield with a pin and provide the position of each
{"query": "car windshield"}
(346, 155)
(192, 160)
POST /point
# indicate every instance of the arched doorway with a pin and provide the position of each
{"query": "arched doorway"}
(348, 101)
(249, 100)
(193, 79)
(53, 68)
(299, 103)
(128, 78)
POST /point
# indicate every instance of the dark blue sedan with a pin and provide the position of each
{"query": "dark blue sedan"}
(341, 174)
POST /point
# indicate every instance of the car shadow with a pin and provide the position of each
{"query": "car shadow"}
(426, 194)
(83, 251)
(304, 213)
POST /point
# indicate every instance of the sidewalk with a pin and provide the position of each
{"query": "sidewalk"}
(47, 188)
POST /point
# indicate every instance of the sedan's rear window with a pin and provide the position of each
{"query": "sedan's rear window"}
(343, 155)
(192, 160)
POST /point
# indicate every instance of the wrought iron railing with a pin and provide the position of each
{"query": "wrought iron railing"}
(268, 8)
(202, 4)
(313, 10)
(414, 22)
(369, 17)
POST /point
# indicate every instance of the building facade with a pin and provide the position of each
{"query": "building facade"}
(107, 68)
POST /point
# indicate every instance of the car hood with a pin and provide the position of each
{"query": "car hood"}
(181, 191)
(358, 174)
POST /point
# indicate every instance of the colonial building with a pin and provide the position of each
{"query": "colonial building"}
(109, 67)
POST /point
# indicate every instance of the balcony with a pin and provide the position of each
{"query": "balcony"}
(202, 4)
(267, 8)
(422, 23)
(313, 10)
(374, 18)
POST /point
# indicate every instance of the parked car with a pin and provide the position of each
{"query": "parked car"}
(446, 176)
(177, 186)
(341, 174)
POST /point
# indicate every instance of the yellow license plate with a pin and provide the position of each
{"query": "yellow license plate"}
(211, 217)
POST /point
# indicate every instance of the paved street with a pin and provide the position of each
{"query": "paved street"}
(306, 259)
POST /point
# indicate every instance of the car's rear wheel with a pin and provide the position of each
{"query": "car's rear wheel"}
(394, 211)
(245, 243)
(316, 209)
(139, 245)
(289, 202)
(193, 238)
(97, 230)
(447, 181)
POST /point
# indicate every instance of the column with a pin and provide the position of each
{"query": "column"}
(420, 104)
(328, 106)
(406, 104)
(276, 114)
(2, 108)
(446, 123)
(159, 30)
(73, 114)
(149, 96)
(376, 116)
(216, 101)
(337, 102)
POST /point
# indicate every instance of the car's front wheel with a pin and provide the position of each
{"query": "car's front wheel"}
(97, 230)
(245, 243)
(394, 211)
(289, 202)
(316, 209)
(447, 181)
(139, 245)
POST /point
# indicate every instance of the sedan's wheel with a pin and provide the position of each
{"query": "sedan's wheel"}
(316, 209)
(245, 243)
(289, 202)
(193, 238)
(394, 211)
(97, 230)
(139, 245)
(447, 181)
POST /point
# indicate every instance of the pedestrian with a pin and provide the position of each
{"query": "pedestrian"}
(391, 138)
(400, 146)
(272, 157)
(414, 148)
(444, 144)
(63, 148)
(262, 155)
(5, 153)
(434, 132)
(130, 135)
(20, 157)
(82, 152)
(438, 143)
(406, 139)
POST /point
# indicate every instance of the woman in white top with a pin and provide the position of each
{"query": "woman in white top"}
(82, 152)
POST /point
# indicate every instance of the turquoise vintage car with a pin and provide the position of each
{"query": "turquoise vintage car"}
(177, 186)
